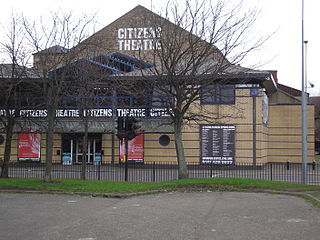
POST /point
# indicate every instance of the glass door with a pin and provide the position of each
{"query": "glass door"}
(91, 149)
(72, 148)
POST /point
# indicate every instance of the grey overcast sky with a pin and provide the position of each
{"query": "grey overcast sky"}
(282, 52)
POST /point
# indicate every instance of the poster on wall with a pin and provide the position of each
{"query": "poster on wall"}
(217, 144)
(29, 146)
(135, 150)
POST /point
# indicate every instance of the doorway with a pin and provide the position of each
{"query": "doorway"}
(72, 148)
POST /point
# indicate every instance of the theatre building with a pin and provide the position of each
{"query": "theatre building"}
(254, 120)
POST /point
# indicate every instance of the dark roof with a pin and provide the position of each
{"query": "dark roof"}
(316, 102)
(292, 91)
(116, 63)
(119, 63)
(19, 71)
(54, 49)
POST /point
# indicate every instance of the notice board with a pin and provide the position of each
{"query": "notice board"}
(217, 144)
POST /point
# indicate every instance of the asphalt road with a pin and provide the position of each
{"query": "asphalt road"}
(206, 215)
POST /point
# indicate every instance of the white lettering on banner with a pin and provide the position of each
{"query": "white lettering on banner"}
(131, 112)
(33, 113)
(3, 112)
(67, 113)
(218, 127)
(74, 113)
(134, 39)
(92, 113)
(98, 113)
(159, 112)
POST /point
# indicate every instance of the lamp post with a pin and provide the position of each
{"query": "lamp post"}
(304, 106)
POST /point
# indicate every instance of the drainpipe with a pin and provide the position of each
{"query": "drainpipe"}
(254, 94)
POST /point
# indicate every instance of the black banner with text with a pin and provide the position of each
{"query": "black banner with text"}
(217, 144)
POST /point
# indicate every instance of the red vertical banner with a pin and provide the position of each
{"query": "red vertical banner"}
(29, 146)
(135, 149)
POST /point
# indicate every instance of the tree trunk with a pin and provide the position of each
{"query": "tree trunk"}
(183, 170)
(7, 150)
(49, 145)
(84, 150)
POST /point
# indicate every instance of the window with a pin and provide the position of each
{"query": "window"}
(140, 101)
(136, 98)
(38, 102)
(164, 140)
(124, 101)
(162, 98)
(103, 101)
(218, 94)
(69, 102)
(160, 102)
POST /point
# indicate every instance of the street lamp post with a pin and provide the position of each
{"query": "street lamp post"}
(304, 106)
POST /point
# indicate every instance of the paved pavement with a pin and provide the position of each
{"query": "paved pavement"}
(206, 215)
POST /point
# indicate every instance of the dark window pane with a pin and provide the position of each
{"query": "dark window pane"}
(218, 94)
(209, 96)
(227, 95)
(104, 101)
(70, 102)
(123, 101)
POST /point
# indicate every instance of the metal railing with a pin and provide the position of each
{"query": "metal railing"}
(163, 171)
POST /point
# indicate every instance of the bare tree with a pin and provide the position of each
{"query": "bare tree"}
(197, 45)
(13, 74)
(86, 78)
(51, 40)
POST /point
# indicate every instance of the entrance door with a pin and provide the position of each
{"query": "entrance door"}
(91, 150)
(72, 148)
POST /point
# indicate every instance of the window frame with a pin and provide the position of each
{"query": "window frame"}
(218, 97)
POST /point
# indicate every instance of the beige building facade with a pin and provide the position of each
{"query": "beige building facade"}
(276, 140)
(260, 124)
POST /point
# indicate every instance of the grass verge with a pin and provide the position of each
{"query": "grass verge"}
(111, 189)
(75, 185)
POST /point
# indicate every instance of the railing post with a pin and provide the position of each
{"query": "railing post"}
(126, 162)
(271, 173)
(211, 169)
(99, 171)
(153, 172)
(314, 165)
